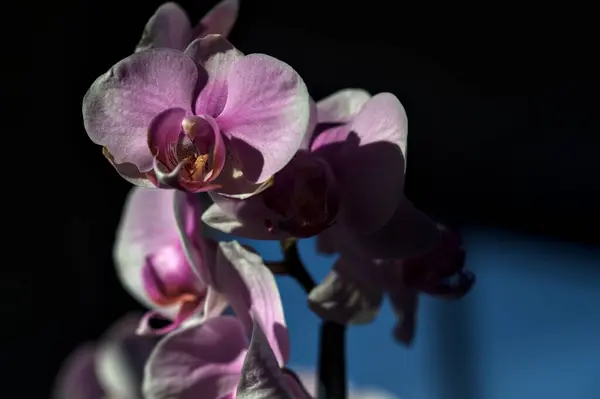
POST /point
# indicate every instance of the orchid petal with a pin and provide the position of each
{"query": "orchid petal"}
(217, 56)
(266, 115)
(251, 290)
(163, 134)
(341, 106)
(119, 106)
(261, 376)
(77, 378)
(147, 223)
(410, 232)
(312, 124)
(220, 19)
(404, 302)
(370, 165)
(203, 360)
(121, 357)
(351, 293)
(169, 27)
(129, 171)
(297, 385)
(244, 218)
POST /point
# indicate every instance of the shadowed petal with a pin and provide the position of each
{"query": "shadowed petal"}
(129, 171)
(351, 293)
(119, 106)
(261, 376)
(217, 56)
(220, 19)
(252, 292)
(266, 115)
(121, 357)
(341, 106)
(168, 27)
(163, 136)
(371, 173)
(404, 302)
(199, 361)
(409, 232)
(77, 377)
(218, 219)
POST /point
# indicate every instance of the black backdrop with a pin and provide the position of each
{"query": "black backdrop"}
(501, 98)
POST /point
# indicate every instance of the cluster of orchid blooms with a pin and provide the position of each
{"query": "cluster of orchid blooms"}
(188, 116)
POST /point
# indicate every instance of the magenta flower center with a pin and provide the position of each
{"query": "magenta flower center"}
(168, 278)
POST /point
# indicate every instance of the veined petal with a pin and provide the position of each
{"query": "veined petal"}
(147, 224)
(77, 378)
(312, 124)
(203, 360)
(119, 106)
(252, 293)
(261, 376)
(163, 136)
(341, 106)
(217, 56)
(266, 115)
(220, 19)
(169, 27)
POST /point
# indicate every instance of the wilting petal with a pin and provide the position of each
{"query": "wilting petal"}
(261, 376)
(220, 19)
(409, 232)
(252, 292)
(199, 361)
(168, 27)
(147, 224)
(121, 357)
(341, 106)
(119, 106)
(351, 293)
(77, 378)
(370, 166)
(266, 115)
(217, 56)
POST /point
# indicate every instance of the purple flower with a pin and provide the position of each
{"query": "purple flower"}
(170, 27)
(163, 260)
(353, 290)
(204, 119)
(349, 175)
(111, 368)
(213, 359)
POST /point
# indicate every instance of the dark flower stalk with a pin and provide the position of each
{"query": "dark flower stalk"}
(332, 353)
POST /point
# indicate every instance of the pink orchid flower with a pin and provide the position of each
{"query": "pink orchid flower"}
(163, 260)
(349, 176)
(213, 359)
(111, 368)
(205, 119)
(354, 289)
(170, 26)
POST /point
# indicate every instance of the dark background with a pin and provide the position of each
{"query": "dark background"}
(502, 101)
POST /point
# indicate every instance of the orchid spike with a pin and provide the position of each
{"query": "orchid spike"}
(205, 119)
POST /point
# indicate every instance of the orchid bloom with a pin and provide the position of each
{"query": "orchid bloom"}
(112, 368)
(348, 176)
(213, 359)
(163, 260)
(354, 289)
(208, 118)
(170, 26)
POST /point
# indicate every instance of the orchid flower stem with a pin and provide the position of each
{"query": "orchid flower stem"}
(332, 353)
